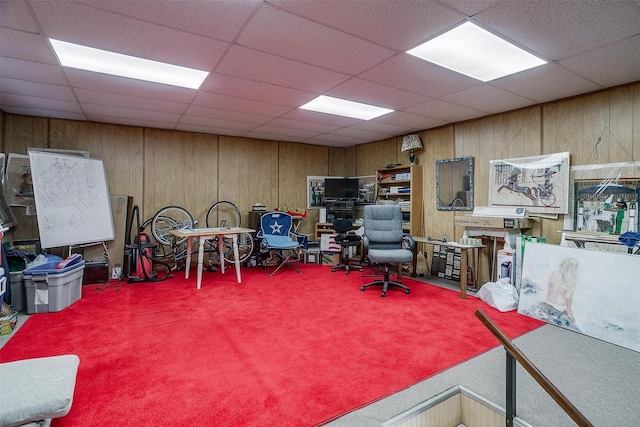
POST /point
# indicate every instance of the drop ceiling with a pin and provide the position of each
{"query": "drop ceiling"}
(267, 58)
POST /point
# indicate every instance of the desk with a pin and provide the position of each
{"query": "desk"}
(463, 259)
(326, 228)
(207, 234)
(582, 238)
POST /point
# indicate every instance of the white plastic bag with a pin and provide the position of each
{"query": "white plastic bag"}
(40, 260)
(501, 294)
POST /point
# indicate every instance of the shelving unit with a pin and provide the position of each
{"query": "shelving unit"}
(402, 183)
(340, 209)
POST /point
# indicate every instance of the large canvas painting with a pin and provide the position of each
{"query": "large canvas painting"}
(595, 293)
(538, 183)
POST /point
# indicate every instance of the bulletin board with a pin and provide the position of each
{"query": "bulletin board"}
(72, 199)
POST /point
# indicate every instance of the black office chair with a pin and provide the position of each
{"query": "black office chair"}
(346, 241)
(385, 243)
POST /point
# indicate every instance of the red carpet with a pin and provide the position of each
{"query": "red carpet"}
(288, 350)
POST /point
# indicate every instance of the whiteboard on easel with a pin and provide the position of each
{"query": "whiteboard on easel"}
(72, 199)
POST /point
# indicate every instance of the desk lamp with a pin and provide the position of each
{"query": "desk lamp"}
(411, 143)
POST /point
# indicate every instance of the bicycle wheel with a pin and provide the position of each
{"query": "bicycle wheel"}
(223, 214)
(167, 219)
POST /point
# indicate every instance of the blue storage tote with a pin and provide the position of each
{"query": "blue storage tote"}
(50, 288)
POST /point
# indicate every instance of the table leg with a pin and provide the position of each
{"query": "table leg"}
(221, 252)
(200, 262)
(463, 273)
(236, 256)
(187, 266)
(415, 260)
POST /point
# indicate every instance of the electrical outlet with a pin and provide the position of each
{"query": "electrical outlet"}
(116, 272)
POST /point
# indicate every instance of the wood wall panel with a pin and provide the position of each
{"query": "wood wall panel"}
(247, 173)
(621, 124)
(119, 148)
(20, 133)
(376, 155)
(336, 162)
(595, 124)
(161, 167)
(297, 161)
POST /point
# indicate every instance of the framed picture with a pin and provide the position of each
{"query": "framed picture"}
(605, 199)
(315, 191)
(366, 189)
(538, 183)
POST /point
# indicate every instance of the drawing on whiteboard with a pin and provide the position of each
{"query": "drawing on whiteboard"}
(72, 199)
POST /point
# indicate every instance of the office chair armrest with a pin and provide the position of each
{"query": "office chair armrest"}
(365, 244)
(408, 242)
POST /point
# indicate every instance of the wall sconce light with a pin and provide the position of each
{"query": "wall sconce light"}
(411, 143)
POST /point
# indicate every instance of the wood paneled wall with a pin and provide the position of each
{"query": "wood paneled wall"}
(165, 167)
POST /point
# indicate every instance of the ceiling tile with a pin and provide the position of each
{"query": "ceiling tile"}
(375, 94)
(614, 65)
(137, 103)
(38, 90)
(282, 34)
(489, 99)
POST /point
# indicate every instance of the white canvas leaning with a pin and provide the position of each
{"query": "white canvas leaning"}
(595, 293)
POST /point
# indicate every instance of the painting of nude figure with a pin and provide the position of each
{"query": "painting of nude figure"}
(538, 183)
(595, 293)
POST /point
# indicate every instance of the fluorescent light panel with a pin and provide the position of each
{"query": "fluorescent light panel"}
(475, 52)
(343, 107)
(102, 61)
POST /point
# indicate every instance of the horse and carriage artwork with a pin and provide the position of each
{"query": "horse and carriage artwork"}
(538, 183)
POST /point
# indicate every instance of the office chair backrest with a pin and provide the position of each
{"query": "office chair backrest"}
(342, 225)
(383, 225)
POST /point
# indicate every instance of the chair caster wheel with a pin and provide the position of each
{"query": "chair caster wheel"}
(406, 291)
(362, 288)
(333, 270)
(361, 269)
(383, 294)
(346, 272)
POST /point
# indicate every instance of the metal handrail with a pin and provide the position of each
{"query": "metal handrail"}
(514, 354)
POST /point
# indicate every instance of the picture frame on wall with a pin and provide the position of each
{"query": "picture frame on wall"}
(367, 189)
(605, 198)
(315, 191)
(538, 183)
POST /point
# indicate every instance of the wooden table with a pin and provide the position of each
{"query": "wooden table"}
(207, 234)
(463, 259)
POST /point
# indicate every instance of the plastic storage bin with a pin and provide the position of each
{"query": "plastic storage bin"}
(52, 289)
(18, 293)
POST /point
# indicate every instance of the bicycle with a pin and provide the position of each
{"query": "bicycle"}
(162, 223)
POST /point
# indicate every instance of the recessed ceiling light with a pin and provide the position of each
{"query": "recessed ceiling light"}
(102, 61)
(475, 52)
(343, 107)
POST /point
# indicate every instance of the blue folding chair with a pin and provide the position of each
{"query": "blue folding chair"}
(282, 244)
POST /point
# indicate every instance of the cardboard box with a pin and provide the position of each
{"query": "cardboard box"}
(520, 257)
(328, 243)
(121, 207)
(330, 258)
(506, 264)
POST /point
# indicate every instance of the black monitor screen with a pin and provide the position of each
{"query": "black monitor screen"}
(341, 188)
